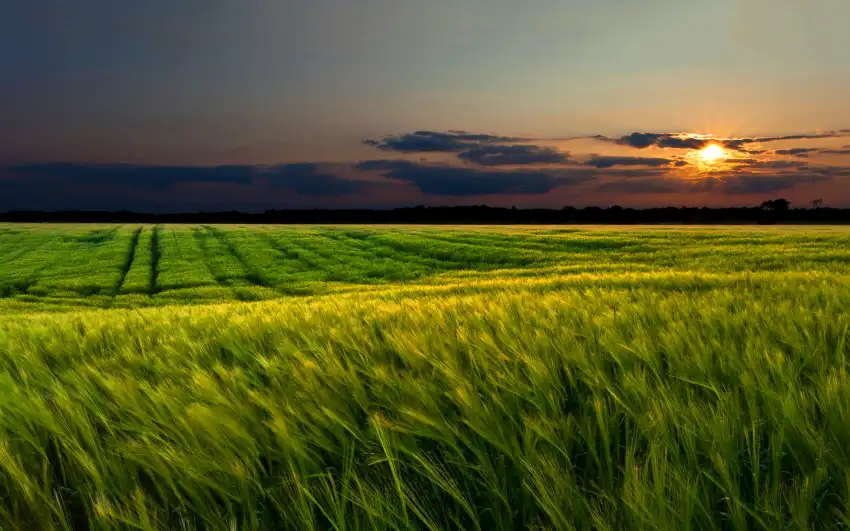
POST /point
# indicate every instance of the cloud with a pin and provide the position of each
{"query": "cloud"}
(645, 140)
(134, 175)
(738, 143)
(633, 172)
(607, 162)
(489, 150)
(665, 140)
(384, 165)
(465, 181)
(485, 165)
(636, 140)
(310, 180)
(799, 137)
(747, 165)
(796, 152)
(729, 185)
(694, 141)
(832, 171)
(760, 184)
(434, 141)
(643, 186)
(306, 179)
(501, 155)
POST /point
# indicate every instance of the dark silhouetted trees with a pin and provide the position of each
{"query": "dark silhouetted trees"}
(769, 212)
(777, 205)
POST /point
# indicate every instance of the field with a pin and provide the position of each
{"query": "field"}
(480, 378)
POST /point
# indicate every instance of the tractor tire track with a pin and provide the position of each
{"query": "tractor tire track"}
(128, 261)
(251, 274)
(153, 289)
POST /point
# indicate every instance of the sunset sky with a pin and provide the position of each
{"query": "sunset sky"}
(191, 105)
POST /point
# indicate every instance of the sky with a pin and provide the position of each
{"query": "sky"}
(194, 105)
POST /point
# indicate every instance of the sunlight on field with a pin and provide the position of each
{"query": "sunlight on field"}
(356, 377)
(67, 267)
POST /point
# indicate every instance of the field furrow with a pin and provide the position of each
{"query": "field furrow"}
(129, 262)
(88, 264)
(155, 254)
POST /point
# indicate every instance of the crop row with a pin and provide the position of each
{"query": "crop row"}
(144, 265)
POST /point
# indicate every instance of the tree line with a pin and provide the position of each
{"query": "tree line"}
(769, 212)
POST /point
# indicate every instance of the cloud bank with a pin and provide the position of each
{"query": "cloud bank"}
(608, 162)
(502, 155)
(434, 141)
(523, 170)
(447, 180)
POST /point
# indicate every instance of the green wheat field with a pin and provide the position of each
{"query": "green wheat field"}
(438, 378)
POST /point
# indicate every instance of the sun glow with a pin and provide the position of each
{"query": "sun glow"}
(712, 153)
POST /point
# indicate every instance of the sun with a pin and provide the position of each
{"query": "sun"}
(712, 153)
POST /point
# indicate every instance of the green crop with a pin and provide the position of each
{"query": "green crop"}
(346, 378)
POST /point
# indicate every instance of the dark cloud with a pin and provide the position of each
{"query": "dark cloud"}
(304, 178)
(385, 165)
(465, 181)
(837, 151)
(830, 171)
(759, 184)
(637, 140)
(739, 143)
(23, 193)
(746, 183)
(608, 162)
(310, 180)
(479, 137)
(134, 175)
(665, 140)
(501, 155)
(634, 172)
(796, 152)
(690, 141)
(682, 142)
(729, 185)
(116, 186)
(796, 137)
(434, 141)
(671, 140)
(643, 186)
(749, 164)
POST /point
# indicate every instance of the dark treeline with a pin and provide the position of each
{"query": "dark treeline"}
(459, 215)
